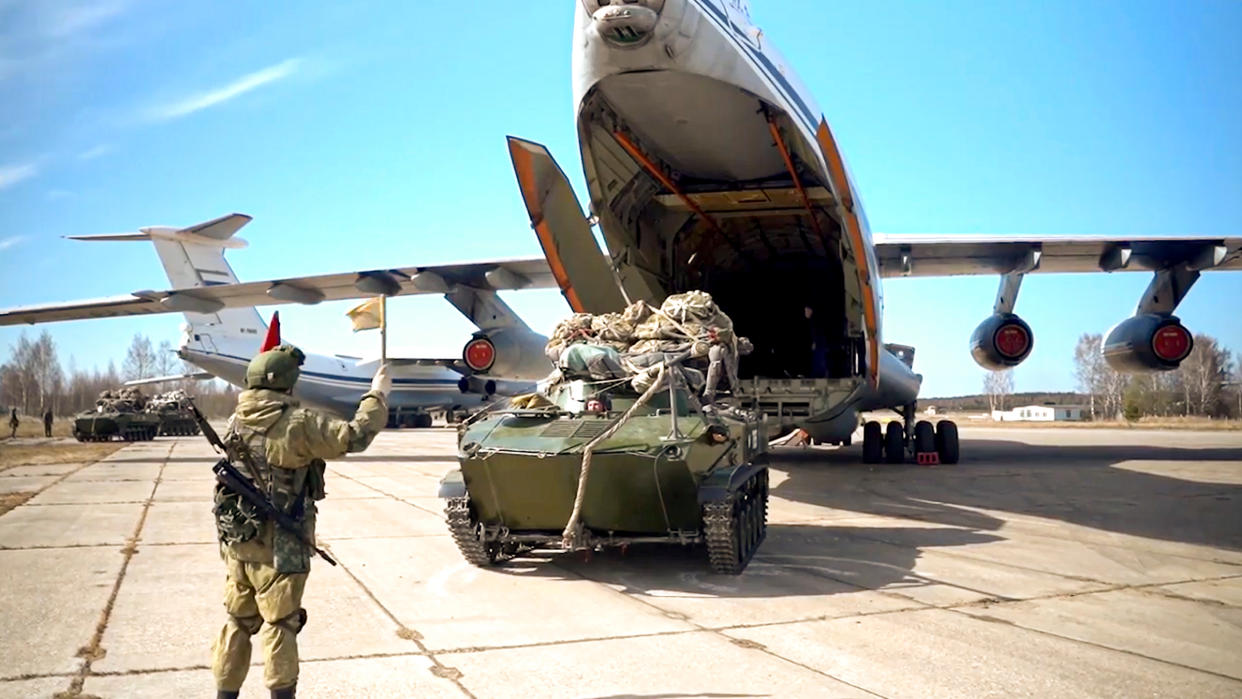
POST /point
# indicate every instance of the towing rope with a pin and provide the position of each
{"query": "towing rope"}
(572, 537)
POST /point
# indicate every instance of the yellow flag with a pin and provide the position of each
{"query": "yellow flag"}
(366, 315)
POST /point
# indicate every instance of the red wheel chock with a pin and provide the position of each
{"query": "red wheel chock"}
(928, 458)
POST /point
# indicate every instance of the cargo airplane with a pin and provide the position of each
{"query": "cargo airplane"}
(709, 166)
(221, 337)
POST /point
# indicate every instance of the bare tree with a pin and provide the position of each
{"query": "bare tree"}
(140, 359)
(1203, 375)
(1089, 368)
(997, 385)
(167, 362)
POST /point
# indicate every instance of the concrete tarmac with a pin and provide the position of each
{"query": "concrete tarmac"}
(1050, 562)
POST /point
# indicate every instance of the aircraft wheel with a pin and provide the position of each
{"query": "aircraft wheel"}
(946, 442)
(924, 437)
(894, 443)
(873, 443)
(422, 420)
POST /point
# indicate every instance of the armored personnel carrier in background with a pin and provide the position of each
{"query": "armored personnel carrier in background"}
(629, 440)
(120, 413)
(175, 416)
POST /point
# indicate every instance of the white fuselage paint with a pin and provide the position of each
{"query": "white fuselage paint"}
(716, 40)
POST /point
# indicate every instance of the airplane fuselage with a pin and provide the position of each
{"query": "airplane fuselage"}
(709, 167)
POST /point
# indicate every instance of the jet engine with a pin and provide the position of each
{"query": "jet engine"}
(506, 353)
(1002, 341)
(1147, 343)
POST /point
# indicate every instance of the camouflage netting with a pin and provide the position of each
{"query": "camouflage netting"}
(170, 401)
(634, 342)
(124, 400)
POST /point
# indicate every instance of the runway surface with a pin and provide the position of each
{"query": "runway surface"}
(1050, 562)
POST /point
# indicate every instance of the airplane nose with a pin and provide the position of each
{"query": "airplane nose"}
(625, 22)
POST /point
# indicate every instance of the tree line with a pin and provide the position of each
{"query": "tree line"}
(1208, 383)
(33, 379)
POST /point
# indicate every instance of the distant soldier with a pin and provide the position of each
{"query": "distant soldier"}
(47, 422)
(267, 566)
(13, 423)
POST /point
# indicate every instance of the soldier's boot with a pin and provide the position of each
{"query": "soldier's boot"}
(285, 692)
(225, 694)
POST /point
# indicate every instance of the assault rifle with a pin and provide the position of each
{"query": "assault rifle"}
(228, 476)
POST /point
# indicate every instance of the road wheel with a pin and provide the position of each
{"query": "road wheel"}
(873, 443)
(946, 442)
(894, 443)
(924, 437)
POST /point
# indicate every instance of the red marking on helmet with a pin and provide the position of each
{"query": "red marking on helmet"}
(1012, 340)
(480, 354)
(1171, 343)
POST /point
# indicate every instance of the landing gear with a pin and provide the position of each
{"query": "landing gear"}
(894, 443)
(873, 443)
(928, 443)
(924, 437)
(946, 442)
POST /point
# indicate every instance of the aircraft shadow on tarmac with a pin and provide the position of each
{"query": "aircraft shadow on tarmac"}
(1082, 485)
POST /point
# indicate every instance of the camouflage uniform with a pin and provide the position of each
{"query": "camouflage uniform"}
(267, 573)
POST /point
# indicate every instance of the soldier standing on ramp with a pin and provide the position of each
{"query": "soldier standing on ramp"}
(283, 447)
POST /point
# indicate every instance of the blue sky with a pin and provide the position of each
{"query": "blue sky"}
(372, 134)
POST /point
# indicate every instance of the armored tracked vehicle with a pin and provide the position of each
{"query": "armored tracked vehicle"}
(618, 448)
(175, 416)
(117, 414)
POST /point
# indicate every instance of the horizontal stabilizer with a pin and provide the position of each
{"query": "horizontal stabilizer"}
(220, 228)
(216, 233)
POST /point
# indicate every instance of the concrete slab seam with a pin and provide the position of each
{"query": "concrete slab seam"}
(1094, 644)
(92, 651)
(438, 668)
(705, 629)
(387, 494)
(40, 491)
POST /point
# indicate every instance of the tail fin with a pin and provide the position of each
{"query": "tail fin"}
(194, 257)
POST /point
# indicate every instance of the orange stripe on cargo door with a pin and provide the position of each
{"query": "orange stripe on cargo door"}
(525, 168)
(845, 199)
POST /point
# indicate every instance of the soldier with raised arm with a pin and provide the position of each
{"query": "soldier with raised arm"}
(283, 447)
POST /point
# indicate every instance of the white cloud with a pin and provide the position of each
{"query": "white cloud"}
(81, 18)
(97, 151)
(220, 95)
(12, 174)
(6, 243)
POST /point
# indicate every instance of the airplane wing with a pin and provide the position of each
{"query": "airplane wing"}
(195, 376)
(937, 255)
(492, 275)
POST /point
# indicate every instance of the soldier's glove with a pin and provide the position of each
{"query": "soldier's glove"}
(382, 382)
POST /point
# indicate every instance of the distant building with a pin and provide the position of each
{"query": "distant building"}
(1039, 413)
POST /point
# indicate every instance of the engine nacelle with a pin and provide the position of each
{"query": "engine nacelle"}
(1002, 341)
(507, 353)
(1147, 343)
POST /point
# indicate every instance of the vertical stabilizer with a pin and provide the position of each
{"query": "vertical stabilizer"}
(194, 257)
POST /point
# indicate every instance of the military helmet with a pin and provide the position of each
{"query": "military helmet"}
(276, 368)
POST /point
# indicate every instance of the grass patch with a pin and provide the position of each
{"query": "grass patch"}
(32, 426)
(10, 500)
(55, 453)
(1145, 423)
